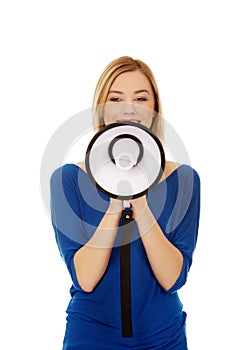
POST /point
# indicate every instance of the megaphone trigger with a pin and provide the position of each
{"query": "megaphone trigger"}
(126, 204)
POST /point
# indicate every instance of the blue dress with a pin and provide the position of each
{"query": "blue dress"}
(94, 319)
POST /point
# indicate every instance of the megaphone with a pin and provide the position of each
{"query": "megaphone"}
(125, 160)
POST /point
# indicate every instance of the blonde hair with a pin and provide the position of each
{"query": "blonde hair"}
(111, 72)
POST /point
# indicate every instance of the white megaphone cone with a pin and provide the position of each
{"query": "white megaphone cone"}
(124, 160)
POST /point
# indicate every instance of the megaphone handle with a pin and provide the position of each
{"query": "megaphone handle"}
(125, 275)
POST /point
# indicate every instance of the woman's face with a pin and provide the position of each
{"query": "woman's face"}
(130, 98)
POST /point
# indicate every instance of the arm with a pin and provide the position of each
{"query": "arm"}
(92, 259)
(170, 256)
(85, 259)
(165, 259)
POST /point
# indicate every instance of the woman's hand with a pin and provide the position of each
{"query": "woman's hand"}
(115, 206)
(139, 205)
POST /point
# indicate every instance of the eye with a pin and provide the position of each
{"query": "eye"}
(141, 99)
(115, 99)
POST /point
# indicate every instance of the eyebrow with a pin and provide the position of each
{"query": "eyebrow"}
(121, 92)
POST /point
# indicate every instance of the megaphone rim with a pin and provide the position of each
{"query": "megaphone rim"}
(114, 125)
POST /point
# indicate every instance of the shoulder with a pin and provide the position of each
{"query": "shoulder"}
(64, 173)
(189, 172)
(170, 167)
(188, 178)
(186, 174)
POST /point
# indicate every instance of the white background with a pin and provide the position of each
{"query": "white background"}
(52, 53)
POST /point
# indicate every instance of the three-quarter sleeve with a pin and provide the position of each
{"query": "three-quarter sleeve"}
(66, 216)
(184, 235)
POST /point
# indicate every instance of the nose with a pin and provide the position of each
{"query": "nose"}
(128, 109)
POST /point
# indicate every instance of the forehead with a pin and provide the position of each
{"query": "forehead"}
(131, 81)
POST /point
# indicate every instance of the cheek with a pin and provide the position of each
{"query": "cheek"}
(106, 114)
(151, 105)
(147, 116)
(111, 110)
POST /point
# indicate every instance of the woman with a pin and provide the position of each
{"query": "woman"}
(86, 225)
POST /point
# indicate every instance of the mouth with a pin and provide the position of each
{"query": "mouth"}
(129, 120)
